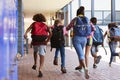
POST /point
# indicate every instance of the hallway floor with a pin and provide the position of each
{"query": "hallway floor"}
(52, 72)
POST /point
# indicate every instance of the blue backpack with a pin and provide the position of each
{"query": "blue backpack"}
(98, 36)
(82, 27)
(114, 31)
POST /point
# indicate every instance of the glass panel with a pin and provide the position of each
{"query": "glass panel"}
(98, 14)
(86, 4)
(102, 4)
(117, 15)
(117, 4)
(74, 7)
(88, 14)
(107, 15)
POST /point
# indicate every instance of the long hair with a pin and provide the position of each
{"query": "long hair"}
(57, 21)
(80, 10)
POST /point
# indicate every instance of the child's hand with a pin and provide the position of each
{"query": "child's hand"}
(45, 42)
(102, 45)
(66, 35)
(112, 38)
(25, 36)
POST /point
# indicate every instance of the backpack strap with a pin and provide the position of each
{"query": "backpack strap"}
(79, 19)
(75, 21)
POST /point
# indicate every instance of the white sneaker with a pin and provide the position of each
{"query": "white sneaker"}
(81, 70)
(86, 73)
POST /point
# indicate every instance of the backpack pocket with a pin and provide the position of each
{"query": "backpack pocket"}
(38, 38)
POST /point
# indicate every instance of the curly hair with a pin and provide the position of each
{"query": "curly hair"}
(39, 18)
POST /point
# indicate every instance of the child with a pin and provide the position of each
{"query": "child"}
(58, 43)
(78, 40)
(112, 44)
(89, 44)
(94, 48)
(38, 46)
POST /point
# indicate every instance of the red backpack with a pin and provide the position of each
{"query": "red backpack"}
(39, 32)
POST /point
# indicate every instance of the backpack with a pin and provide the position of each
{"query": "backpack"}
(39, 32)
(98, 37)
(114, 31)
(57, 38)
(82, 27)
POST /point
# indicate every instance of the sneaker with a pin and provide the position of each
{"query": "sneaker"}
(78, 68)
(86, 73)
(55, 62)
(63, 69)
(40, 74)
(98, 59)
(34, 67)
(119, 55)
(94, 66)
(109, 65)
(81, 70)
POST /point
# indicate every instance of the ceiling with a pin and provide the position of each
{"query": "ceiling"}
(46, 7)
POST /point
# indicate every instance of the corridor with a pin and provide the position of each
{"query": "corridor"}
(51, 72)
(16, 17)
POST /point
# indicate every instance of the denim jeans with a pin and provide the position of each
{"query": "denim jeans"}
(112, 46)
(62, 54)
(56, 53)
(79, 44)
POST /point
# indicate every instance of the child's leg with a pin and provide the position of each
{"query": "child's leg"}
(111, 50)
(112, 46)
(57, 52)
(111, 59)
(97, 58)
(35, 48)
(55, 62)
(62, 52)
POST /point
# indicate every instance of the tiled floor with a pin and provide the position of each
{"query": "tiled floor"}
(51, 72)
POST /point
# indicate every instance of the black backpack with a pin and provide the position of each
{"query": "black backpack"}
(57, 38)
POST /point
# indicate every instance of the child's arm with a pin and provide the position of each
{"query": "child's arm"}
(105, 34)
(115, 38)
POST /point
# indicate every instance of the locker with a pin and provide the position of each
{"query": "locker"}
(8, 40)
